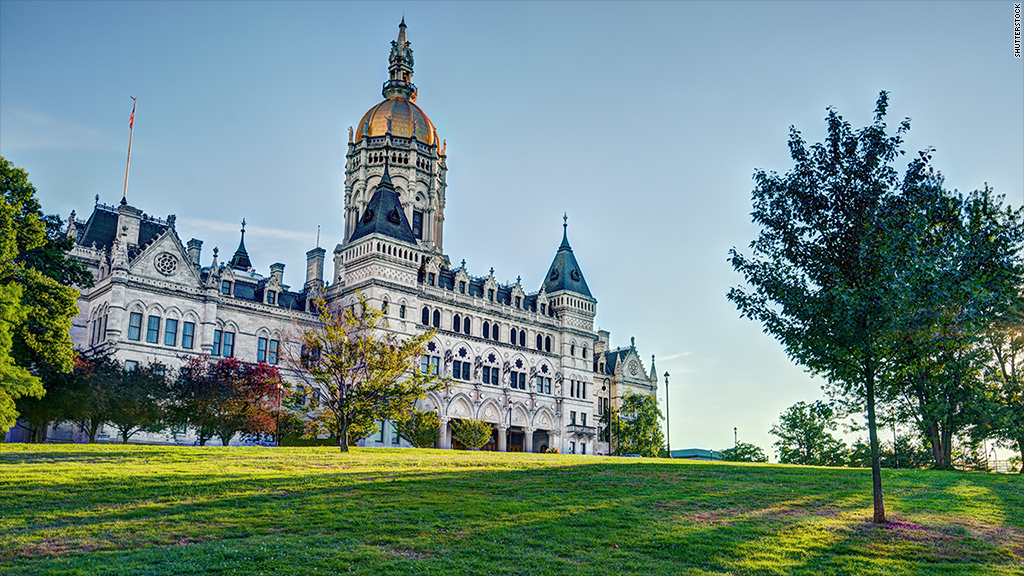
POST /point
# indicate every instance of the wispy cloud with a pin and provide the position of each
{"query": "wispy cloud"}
(24, 129)
(255, 230)
(674, 356)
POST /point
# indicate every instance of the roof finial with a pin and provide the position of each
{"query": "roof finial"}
(565, 220)
(317, 235)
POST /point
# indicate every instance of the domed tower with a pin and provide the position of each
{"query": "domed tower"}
(398, 130)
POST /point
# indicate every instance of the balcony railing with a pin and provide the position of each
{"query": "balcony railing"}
(581, 430)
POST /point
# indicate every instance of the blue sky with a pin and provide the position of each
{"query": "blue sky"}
(643, 121)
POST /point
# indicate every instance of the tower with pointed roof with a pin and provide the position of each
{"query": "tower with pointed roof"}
(398, 133)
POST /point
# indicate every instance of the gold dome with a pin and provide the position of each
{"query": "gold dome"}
(405, 117)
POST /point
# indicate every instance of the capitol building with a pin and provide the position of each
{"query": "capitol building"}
(526, 359)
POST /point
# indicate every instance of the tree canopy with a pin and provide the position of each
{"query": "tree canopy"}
(804, 438)
(744, 452)
(354, 370)
(37, 301)
(636, 425)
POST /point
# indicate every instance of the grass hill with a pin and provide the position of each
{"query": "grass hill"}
(133, 510)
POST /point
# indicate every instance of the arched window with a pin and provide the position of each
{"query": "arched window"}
(401, 311)
(456, 323)
(487, 330)
(540, 342)
(467, 325)
(494, 332)
(384, 308)
(572, 350)
(437, 318)
(584, 350)
(426, 316)
(547, 343)
(512, 336)
(522, 338)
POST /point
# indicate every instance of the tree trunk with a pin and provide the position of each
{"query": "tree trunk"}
(876, 464)
(1020, 445)
(225, 437)
(947, 448)
(343, 434)
(94, 427)
(124, 436)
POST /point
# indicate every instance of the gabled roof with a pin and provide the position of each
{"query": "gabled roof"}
(565, 273)
(384, 215)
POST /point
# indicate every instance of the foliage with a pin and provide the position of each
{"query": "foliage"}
(421, 428)
(137, 400)
(637, 425)
(85, 391)
(113, 510)
(967, 269)
(909, 454)
(830, 268)
(803, 437)
(743, 452)
(1005, 376)
(355, 371)
(226, 396)
(36, 299)
(471, 433)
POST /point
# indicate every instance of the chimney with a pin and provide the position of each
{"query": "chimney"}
(602, 341)
(315, 268)
(277, 273)
(128, 220)
(195, 248)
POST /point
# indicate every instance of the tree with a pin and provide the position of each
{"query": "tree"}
(420, 428)
(356, 371)
(829, 269)
(743, 452)
(967, 270)
(137, 400)
(803, 437)
(1005, 376)
(223, 397)
(85, 392)
(36, 299)
(471, 433)
(637, 424)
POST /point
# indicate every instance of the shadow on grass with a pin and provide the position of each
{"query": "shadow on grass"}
(137, 510)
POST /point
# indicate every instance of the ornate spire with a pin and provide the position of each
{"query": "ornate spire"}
(399, 84)
(240, 260)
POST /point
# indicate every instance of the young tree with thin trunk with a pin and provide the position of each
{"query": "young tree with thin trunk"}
(137, 400)
(824, 273)
(804, 438)
(355, 370)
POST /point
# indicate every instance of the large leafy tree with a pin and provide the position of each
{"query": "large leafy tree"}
(823, 274)
(137, 400)
(223, 397)
(356, 371)
(1005, 377)
(636, 425)
(37, 301)
(472, 433)
(965, 273)
(804, 437)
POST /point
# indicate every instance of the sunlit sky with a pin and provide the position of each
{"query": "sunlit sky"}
(643, 121)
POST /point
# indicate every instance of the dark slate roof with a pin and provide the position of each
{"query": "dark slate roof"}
(384, 214)
(565, 273)
(612, 357)
(240, 260)
(101, 228)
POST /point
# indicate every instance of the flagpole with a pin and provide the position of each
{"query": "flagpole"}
(131, 132)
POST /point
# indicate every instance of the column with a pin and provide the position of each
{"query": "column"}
(527, 439)
(442, 440)
(502, 438)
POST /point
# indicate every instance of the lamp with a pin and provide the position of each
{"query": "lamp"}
(668, 433)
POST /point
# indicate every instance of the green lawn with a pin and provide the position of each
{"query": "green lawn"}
(126, 510)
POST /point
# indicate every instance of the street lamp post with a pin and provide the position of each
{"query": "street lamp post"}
(608, 411)
(735, 437)
(668, 431)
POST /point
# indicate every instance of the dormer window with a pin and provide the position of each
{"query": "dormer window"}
(518, 302)
(225, 288)
(543, 308)
(430, 278)
(462, 287)
(490, 295)
(271, 297)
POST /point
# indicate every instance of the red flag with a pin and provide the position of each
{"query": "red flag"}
(131, 120)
